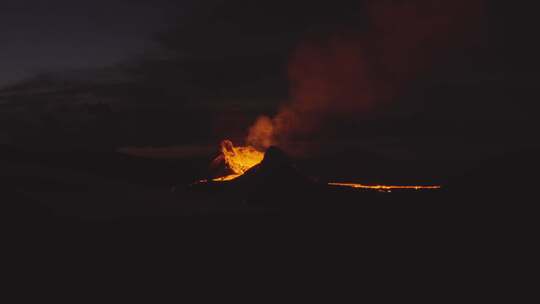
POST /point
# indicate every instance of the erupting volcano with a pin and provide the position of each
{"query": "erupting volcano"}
(345, 75)
(240, 160)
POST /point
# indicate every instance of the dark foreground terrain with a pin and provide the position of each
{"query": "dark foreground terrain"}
(80, 186)
(88, 216)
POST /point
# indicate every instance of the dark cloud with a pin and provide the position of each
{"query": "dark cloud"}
(37, 36)
(237, 55)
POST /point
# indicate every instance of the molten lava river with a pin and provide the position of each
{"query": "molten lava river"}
(240, 159)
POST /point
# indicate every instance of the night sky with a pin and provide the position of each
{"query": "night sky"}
(56, 35)
(40, 36)
(214, 66)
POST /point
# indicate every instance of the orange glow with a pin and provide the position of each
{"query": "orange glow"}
(238, 159)
(384, 188)
(226, 178)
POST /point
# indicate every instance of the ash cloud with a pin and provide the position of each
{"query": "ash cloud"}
(350, 72)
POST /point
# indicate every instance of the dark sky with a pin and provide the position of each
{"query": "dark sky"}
(225, 50)
(38, 36)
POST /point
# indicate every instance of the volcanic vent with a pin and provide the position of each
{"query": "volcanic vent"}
(255, 170)
(247, 165)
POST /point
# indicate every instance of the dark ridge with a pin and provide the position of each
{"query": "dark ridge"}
(275, 171)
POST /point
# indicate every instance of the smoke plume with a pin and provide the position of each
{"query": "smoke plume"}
(353, 71)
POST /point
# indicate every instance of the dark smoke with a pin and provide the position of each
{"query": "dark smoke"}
(353, 71)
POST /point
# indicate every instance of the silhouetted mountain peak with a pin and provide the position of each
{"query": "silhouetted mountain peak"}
(274, 156)
(276, 171)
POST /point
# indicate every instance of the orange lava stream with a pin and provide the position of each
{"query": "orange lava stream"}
(384, 188)
(226, 178)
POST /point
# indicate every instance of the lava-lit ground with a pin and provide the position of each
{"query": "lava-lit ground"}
(113, 185)
(239, 160)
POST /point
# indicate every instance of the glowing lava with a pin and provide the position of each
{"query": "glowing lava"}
(384, 188)
(240, 159)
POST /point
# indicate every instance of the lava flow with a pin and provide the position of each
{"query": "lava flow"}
(384, 188)
(240, 159)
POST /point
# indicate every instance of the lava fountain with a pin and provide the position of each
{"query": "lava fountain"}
(237, 159)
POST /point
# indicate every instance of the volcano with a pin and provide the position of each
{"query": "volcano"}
(276, 170)
(273, 174)
(247, 165)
